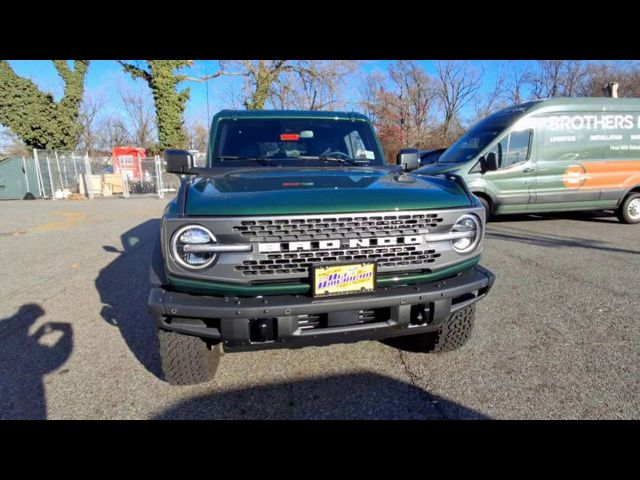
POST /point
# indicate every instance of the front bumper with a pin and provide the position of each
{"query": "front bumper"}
(232, 320)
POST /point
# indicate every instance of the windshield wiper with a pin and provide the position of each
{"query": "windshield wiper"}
(260, 160)
(324, 158)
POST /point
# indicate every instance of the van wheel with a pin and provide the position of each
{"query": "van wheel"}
(487, 207)
(187, 360)
(629, 210)
(453, 334)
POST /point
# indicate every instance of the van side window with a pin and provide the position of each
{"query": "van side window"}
(513, 149)
(517, 149)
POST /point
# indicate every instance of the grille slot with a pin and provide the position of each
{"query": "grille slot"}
(301, 262)
(365, 316)
(309, 322)
(336, 227)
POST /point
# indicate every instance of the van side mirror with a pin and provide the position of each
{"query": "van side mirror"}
(178, 161)
(489, 162)
(408, 158)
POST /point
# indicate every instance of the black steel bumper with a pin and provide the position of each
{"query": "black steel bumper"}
(230, 320)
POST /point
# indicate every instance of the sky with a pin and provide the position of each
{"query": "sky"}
(105, 77)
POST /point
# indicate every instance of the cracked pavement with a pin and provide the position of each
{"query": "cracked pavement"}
(557, 337)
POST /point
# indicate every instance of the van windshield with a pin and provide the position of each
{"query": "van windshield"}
(481, 134)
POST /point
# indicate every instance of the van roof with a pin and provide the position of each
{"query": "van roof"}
(573, 104)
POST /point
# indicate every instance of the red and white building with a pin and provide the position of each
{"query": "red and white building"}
(129, 161)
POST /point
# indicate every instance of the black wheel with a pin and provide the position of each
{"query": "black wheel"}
(452, 335)
(487, 207)
(629, 209)
(187, 360)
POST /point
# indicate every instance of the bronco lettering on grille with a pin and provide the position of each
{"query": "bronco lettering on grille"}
(336, 244)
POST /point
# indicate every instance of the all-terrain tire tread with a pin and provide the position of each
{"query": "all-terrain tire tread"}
(187, 360)
(451, 335)
(455, 332)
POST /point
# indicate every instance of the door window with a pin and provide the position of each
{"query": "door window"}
(517, 149)
(513, 149)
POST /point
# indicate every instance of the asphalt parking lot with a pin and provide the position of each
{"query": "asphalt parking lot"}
(558, 337)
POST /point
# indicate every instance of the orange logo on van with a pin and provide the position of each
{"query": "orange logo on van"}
(574, 176)
(612, 174)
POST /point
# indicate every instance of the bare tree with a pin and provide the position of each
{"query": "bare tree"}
(597, 75)
(415, 92)
(400, 104)
(197, 134)
(574, 74)
(516, 79)
(262, 77)
(494, 99)
(370, 90)
(317, 86)
(113, 132)
(140, 112)
(11, 145)
(90, 109)
(557, 78)
(546, 81)
(457, 83)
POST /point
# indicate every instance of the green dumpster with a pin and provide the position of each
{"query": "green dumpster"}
(18, 178)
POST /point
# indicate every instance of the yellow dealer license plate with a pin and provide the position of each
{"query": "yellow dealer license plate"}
(344, 279)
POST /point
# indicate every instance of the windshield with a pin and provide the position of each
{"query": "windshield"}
(295, 142)
(481, 135)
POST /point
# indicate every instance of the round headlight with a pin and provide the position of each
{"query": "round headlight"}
(472, 228)
(184, 247)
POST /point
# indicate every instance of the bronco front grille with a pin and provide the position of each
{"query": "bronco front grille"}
(387, 258)
(284, 248)
(336, 227)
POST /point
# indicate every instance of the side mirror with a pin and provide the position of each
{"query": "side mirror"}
(178, 161)
(489, 162)
(408, 158)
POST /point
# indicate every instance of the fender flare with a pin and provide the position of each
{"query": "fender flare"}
(484, 192)
(635, 188)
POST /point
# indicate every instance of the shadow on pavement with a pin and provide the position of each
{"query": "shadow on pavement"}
(597, 216)
(350, 396)
(550, 240)
(25, 359)
(124, 289)
(582, 216)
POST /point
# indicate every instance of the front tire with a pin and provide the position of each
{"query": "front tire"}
(487, 207)
(451, 335)
(629, 209)
(187, 360)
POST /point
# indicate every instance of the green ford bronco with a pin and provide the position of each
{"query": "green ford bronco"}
(297, 233)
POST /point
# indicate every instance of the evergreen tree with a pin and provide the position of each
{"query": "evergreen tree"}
(34, 116)
(163, 81)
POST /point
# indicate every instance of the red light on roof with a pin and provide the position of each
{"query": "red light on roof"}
(289, 137)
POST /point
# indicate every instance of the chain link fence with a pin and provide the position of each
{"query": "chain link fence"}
(63, 175)
(59, 173)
